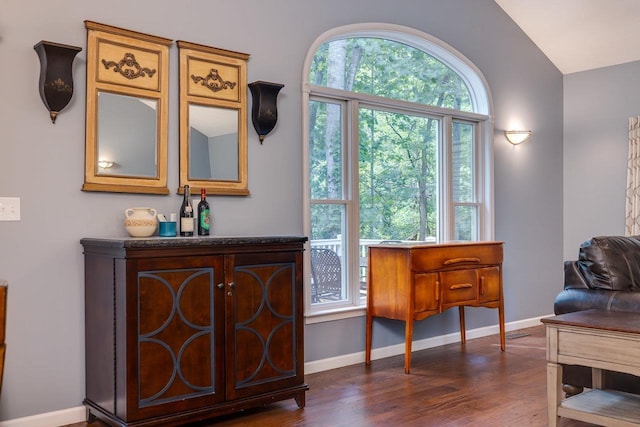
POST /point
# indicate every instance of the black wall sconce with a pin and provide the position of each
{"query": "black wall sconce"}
(56, 79)
(264, 112)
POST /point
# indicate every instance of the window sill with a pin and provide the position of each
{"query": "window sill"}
(332, 314)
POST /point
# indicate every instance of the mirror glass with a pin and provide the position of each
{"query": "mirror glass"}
(127, 135)
(213, 143)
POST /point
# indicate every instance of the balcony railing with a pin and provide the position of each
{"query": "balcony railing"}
(336, 246)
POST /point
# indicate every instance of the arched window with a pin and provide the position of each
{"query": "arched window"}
(397, 147)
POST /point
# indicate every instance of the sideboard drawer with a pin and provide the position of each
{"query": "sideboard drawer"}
(459, 286)
(444, 257)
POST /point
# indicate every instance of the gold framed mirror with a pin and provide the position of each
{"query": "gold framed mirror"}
(213, 117)
(127, 111)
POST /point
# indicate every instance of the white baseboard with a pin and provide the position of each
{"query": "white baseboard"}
(78, 414)
(49, 419)
(394, 350)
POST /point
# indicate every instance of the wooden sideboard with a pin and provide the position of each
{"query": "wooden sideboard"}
(183, 329)
(412, 281)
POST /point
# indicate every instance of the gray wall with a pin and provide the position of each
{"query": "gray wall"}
(598, 104)
(199, 163)
(127, 134)
(223, 154)
(43, 164)
(213, 157)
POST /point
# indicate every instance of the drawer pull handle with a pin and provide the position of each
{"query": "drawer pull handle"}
(460, 286)
(482, 285)
(220, 285)
(461, 260)
(437, 290)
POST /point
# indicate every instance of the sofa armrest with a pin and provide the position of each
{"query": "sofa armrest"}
(571, 300)
(573, 278)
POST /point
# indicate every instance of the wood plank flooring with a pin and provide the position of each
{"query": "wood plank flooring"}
(452, 385)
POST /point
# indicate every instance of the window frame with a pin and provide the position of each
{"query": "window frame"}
(352, 102)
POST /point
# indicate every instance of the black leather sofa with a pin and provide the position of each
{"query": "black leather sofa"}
(606, 276)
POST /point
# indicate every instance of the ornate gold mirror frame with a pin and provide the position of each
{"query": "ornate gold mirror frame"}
(213, 117)
(127, 111)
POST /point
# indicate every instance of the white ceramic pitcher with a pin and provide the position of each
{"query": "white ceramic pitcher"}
(140, 222)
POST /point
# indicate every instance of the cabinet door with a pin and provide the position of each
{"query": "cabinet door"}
(175, 334)
(263, 320)
(488, 284)
(427, 292)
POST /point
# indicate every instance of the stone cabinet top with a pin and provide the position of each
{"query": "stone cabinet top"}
(168, 242)
(156, 242)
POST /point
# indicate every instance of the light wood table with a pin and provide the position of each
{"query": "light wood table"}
(602, 340)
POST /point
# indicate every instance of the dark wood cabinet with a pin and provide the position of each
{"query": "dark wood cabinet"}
(180, 330)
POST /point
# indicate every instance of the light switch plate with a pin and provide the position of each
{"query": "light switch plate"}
(9, 208)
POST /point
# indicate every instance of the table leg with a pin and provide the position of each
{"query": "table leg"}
(554, 392)
(408, 339)
(501, 324)
(597, 378)
(463, 331)
(368, 333)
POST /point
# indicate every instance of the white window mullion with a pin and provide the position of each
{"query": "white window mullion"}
(446, 196)
(478, 180)
(353, 261)
(484, 170)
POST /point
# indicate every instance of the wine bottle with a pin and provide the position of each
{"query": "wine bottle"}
(204, 218)
(186, 214)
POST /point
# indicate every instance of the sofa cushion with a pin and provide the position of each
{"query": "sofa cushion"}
(611, 263)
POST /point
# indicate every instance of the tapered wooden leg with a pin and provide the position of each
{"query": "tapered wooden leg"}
(408, 340)
(367, 345)
(463, 332)
(300, 399)
(503, 345)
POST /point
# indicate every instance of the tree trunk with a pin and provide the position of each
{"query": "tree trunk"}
(339, 77)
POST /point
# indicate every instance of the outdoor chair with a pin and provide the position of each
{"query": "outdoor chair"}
(326, 274)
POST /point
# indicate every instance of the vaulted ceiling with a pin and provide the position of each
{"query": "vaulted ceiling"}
(579, 35)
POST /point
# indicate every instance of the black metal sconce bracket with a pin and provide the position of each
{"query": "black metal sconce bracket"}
(56, 78)
(264, 111)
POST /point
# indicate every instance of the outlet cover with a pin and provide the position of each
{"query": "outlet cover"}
(9, 208)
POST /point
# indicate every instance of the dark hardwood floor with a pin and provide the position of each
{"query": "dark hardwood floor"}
(452, 385)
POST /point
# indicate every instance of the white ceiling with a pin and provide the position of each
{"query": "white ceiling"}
(579, 35)
(213, 121)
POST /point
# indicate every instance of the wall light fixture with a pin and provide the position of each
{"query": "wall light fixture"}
(105, 164)
(56, 79)
(517, 136)
(264, 112)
